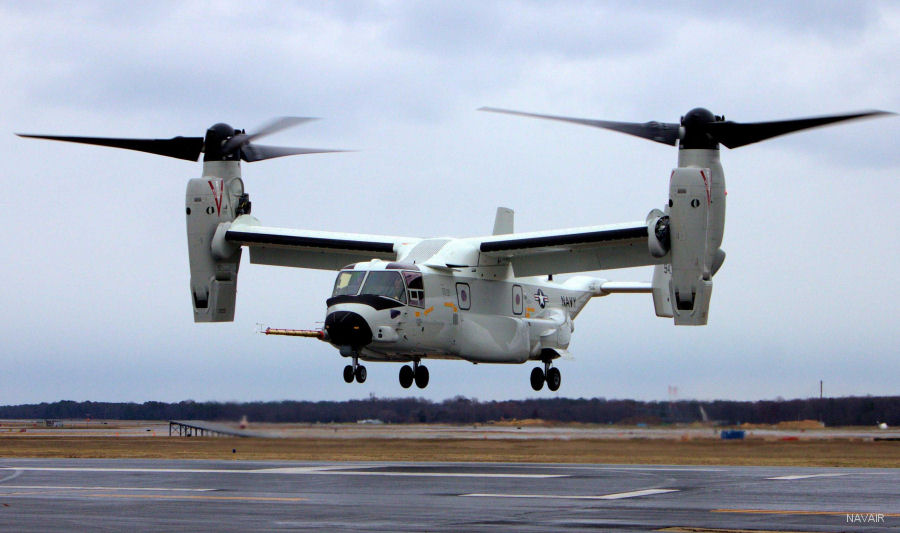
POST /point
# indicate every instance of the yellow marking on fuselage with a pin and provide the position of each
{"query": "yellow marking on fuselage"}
(451, 305)
(530, 309)
(430, 309)
(417, 313)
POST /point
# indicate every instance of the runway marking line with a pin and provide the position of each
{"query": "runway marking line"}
(630, 468)
(288, 470)
(48, 487)
(721, 530)
(198, 497)
(795, 512)
(410, 474)
(617, 496)
(43, 490)
(137, 470)
(805, 476)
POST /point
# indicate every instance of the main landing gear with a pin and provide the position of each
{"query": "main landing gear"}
(417, 373)
(550, 375)
(355, 370)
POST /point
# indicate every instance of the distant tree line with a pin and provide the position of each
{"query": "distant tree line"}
(863, 411)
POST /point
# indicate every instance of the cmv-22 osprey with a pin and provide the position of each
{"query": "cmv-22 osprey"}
(488, 299)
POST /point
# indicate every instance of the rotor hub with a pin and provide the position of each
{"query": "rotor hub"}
(696, 134)
(216, 137)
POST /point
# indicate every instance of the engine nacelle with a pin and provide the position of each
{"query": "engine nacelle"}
(690, 283)
(211, 204)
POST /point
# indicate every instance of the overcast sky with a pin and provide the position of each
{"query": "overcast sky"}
(96, 304)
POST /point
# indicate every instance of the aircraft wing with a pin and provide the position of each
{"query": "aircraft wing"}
(323, 250)
(572, 250)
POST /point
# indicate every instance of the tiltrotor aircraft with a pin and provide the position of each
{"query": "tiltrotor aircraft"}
(489, 299)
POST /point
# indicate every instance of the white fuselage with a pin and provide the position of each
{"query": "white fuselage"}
(478, 314)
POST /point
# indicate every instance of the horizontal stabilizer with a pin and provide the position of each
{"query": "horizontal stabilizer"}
(625, 287)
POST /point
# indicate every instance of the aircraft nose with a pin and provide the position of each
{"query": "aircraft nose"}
(346, 328)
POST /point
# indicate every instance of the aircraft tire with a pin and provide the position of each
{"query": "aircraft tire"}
(348, 374)
(422, 377)
(360, 374)
(406, 376)
(537, 378)
(554, 378)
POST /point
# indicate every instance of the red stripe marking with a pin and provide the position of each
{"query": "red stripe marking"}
(706, 183)
(218, 197)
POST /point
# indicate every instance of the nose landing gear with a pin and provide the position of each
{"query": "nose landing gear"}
(417, 373)
(550, 375)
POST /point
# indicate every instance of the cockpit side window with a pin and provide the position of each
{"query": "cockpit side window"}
(416, 288)
(385, 283)
(348, 282)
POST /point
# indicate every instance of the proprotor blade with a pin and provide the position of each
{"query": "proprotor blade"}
(259, 152)
(276, 125)
(188, 148)
(735, 134)
(661, 132)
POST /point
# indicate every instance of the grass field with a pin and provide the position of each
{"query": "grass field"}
(818, 452)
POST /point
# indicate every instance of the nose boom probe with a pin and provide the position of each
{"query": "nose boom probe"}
(312, 333)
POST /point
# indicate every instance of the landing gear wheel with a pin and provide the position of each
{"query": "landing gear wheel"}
(360, 374)
(406, 376)
(554, 378)
(348, 373)
(537, 378)
(421, 376)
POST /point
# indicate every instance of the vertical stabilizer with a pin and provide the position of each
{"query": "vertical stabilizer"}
(503, 222)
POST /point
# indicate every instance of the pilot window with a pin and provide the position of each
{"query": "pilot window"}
(416, 288)
(385, 283)
(348, 282)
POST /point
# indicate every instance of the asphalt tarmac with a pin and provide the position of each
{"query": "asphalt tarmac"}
(154, 495)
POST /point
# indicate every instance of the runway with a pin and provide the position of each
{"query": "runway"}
(154, 495)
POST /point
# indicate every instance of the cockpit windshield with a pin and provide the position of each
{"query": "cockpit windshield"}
(385, 283)
(348, 282)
